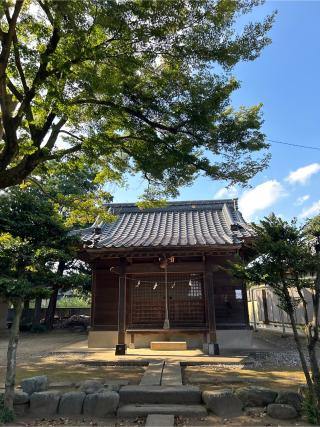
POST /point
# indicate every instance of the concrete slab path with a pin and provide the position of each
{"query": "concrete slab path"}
(171, 375)
(153, 374)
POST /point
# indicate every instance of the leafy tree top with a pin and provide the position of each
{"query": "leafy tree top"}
(285, 257)
(135, 86)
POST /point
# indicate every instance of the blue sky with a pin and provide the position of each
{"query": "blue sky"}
(286, 79)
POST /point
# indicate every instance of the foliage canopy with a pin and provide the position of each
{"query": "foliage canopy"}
(132, 86)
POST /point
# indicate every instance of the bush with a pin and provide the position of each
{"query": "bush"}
(310, 409)
(73, 302)
(6, 415)
(38, 329)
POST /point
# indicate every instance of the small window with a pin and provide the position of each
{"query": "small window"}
(238, 293)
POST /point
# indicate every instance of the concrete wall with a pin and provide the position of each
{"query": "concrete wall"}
(102, 339)
(228, 339)
(234, 339)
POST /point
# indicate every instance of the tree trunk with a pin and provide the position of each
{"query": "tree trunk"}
(37, 312)
(53, 298)
(50, 312)
(12, 354)
(290, 311)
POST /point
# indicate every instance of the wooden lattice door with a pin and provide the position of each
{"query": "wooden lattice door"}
(186, 300)
(186, 305)
(147, 301)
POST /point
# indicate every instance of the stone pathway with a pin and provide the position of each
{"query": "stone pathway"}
(171, 374)
(161, 393)
(162, 373)
(153, 374)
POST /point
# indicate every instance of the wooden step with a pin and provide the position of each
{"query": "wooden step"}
(168, 345)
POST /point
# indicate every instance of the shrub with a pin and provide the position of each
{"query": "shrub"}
(38, 329)
(6, 415)
(310, 409)
(73, 302)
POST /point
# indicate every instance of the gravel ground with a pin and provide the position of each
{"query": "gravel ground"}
(274, 351)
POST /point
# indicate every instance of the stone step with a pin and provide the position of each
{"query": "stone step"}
(160, 394)
(168, 345)
(153, 374)
(159, 420)
(171, 374)
(137, 410)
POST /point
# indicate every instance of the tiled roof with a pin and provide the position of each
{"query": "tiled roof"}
(179, 224)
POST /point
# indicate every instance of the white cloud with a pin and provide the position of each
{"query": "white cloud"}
(302, 175)
(300, 200)
(261, 197)
(311, 211)
(226, 193)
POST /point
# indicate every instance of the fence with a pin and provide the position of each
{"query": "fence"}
(60, 313)
(264, 311)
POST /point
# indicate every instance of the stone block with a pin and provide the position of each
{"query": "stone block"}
(281, 411)
(20, 397)
(160, 394)
(223, 403)
(168, 345)
(101, 404)
(90, 386)
(138, 410)
(160, 420)
(153, 374)
(256, 396)
(44, 403)
(115, 385)
(35, 384)
(71, 403)
(290, 398)
(21, 410)
(171, 374)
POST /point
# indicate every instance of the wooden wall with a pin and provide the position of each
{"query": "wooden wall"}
(105, 298)
(230, 310)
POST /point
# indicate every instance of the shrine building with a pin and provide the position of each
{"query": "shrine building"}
(163, 274)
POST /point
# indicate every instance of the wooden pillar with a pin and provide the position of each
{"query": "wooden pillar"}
(245, 304)
(122, 302)
(265, 307)
(213, 347)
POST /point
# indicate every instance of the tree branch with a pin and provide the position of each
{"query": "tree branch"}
(8, 37)
(71, 134)
(18, 63)
(131, 111)
(54, 134)
(14, 90)
(61, 153)
(47, 11)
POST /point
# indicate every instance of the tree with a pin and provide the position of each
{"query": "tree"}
(288, 261)
(32, 241)
(135, 86)
(78, 200)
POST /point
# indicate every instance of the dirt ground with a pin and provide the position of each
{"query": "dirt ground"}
(252, 418)
(63, 356)
(210, 377)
